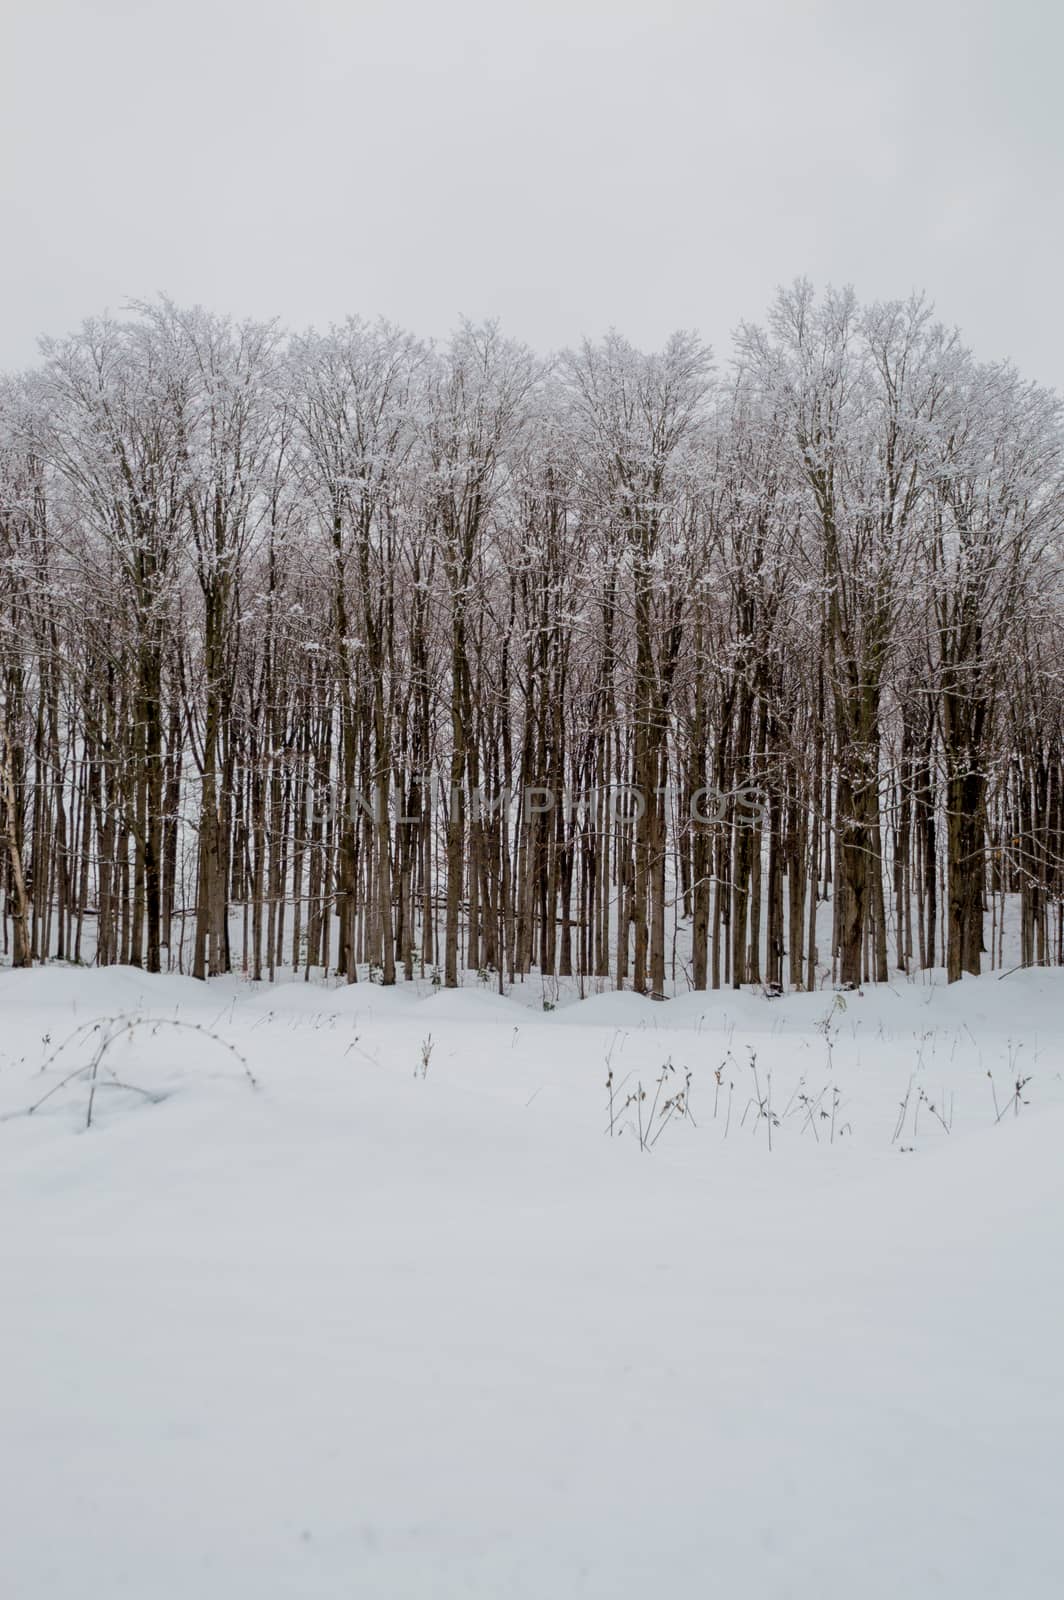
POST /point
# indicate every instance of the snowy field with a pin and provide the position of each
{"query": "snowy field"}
(403, 1319)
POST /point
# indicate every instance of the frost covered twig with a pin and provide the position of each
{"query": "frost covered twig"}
(111, 1029)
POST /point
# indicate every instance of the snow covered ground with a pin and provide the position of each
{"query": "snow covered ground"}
(377, 1328)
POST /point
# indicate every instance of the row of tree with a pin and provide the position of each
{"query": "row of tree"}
(615, 665)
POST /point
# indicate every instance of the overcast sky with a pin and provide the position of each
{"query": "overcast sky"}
(563, 165)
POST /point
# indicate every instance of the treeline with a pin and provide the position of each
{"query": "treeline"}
(283, 619)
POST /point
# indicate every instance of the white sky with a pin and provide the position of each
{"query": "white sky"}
(563, 166)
